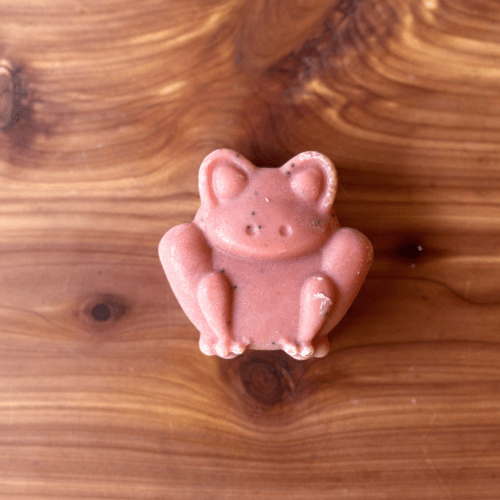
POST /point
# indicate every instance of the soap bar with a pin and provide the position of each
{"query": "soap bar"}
(265, 264)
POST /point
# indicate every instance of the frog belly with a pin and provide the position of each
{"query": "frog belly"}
(266, 296)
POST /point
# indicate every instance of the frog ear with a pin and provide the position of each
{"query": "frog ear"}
(313, 178)
(223, 175)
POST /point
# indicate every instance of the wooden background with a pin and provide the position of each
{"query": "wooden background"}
(106, 111)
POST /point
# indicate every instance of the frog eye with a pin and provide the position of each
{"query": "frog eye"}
(307, 184)
(228, 181)
(313, 178)
(224, 174)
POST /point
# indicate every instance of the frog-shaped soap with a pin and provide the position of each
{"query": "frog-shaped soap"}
(265, 264)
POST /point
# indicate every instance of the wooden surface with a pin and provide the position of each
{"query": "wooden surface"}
(108, 108)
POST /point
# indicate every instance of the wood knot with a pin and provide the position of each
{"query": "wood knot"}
(101, 311)
(264, 381)
(268, 378)
(6, 94)
(409, 249)
(14, 96)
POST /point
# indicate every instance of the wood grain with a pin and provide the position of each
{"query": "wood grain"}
(113, 105)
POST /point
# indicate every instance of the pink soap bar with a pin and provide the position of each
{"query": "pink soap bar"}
(265, 264)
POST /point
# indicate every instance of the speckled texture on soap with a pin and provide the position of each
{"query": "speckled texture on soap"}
(265, 264)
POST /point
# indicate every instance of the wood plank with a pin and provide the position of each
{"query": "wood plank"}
(103, 391)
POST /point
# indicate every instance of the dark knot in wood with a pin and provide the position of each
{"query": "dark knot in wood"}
(409, 248)
(268, 377)
(6, 94)
(14, 98)
(101, 311)
(263, 381)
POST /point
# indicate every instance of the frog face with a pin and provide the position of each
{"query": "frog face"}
(267, 213)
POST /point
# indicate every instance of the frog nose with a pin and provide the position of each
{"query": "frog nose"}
(285, 230)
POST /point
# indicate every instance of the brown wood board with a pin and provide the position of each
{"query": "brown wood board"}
(107, 110)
